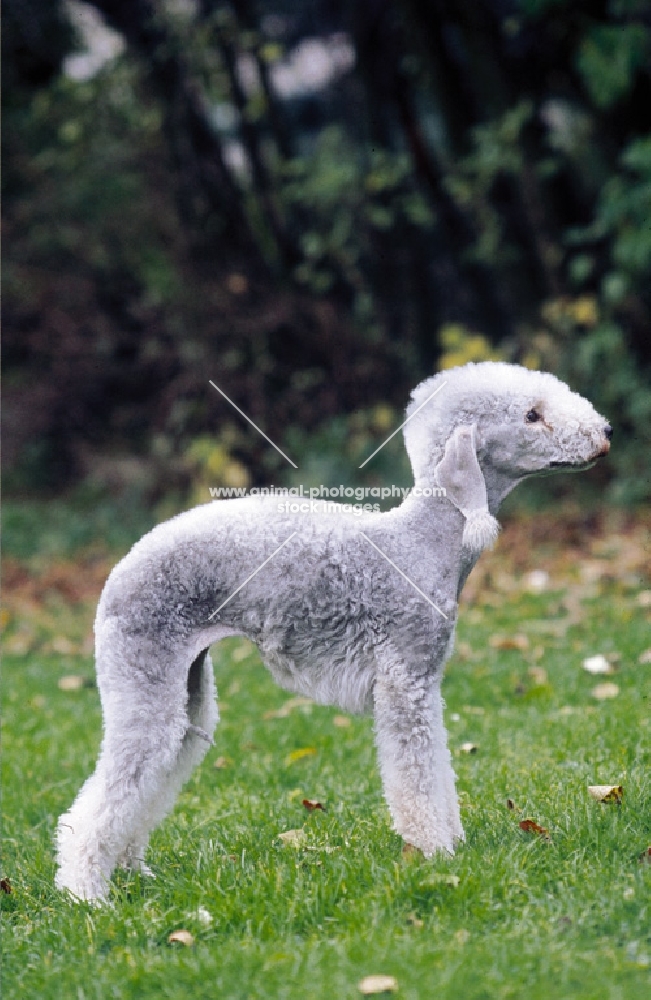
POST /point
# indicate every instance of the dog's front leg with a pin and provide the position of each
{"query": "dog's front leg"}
(413, 755)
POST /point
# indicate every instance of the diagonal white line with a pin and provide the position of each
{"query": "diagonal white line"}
(403, 424)
(404, 575)
(243, 414)
(261, 566)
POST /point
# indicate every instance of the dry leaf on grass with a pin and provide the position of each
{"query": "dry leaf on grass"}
(510, 804)
(644, 598)
(181, 937)
(645, 856)
(538, 675)
(598, 665)
(415, 921)
(469, 748)
(644, 657)
(223, 762)
(604, 691)
(73, 682)
(5, 885)
(290, 706)
(371, 985)
(311, 804)
(293, 838)
(606, 793)
(341, 721)
(509, 642)
(530, 826)
(300, 754)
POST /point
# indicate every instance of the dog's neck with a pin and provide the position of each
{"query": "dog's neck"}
(498, 486)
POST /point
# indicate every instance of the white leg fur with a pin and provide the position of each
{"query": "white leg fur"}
(413, 756)
(145, 759)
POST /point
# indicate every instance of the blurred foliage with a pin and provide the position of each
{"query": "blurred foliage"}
(473, 182)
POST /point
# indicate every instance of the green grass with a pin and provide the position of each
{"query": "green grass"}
(565, 919)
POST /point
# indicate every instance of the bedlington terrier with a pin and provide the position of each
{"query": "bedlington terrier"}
(353, 611)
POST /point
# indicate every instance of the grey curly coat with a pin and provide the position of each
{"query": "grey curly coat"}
(352, 611)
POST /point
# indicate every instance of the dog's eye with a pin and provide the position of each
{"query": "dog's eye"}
(533, 417)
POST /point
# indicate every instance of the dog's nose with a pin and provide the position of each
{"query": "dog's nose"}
(608, 432)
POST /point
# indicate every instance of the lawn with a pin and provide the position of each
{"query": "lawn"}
(513, 914)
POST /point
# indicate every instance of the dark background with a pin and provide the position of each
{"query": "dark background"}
(465, 179)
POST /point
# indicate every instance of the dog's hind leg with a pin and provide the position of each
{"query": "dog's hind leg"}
(150, 747)
(202, 716)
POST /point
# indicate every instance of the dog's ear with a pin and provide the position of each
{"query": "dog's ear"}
(461, 477)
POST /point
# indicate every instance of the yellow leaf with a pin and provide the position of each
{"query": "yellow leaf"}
(371, 985)
(181, 937)
(603, 691)
(607, 793)
(293, 838)
(288, 707)
(584, 310)
(300, 754)
(538, 675)
(509, 642)
(72, 682)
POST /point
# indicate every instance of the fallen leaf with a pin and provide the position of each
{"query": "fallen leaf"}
(538, 675)
(644, 598)
(5, 885)
(289, 707)
(341, 721)
(415, 921)
(371, 985)
(293, 838)
(509, 642)
(645, 657)
(529, 826)
(72, 682)
(606, 793)
(598, 665)
(469, 748)
(223, 762)
(181, 937)
(645, 856)
(311, 804)
(603, 691)
(510, 804)
(300, 754)
(61, 644)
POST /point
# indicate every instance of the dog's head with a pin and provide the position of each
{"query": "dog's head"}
(526, 422)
